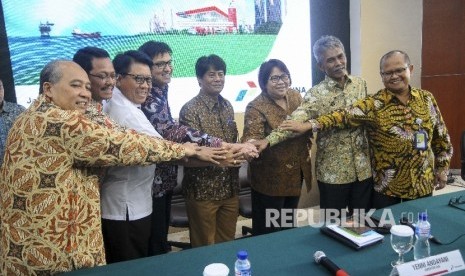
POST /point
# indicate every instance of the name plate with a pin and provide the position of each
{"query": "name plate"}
(434, 265)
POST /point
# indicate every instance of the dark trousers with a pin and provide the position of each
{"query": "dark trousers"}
(382, 201)
(126, 240)
(355, 195)
(261, 202)
(160, 225)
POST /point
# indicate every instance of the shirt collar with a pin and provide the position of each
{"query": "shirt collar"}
(268, 97)
(161, 91)
(332, 83)
(210, 101)
(391, 96)
(120, 97)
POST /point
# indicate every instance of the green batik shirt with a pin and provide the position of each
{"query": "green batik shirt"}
(342, 155)
(400, 169)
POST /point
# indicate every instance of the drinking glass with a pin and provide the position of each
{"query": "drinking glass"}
(401, 241)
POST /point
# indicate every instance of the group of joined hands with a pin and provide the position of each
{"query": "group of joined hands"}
(234, 154)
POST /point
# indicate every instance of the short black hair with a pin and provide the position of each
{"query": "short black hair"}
(204, 63)
(122, 62)
(84, 57)
(154, 48)
(265, 72)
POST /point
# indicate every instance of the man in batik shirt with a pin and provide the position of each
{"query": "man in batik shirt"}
(411, 148)
(343, 169)
(156, 108)
(49, 206)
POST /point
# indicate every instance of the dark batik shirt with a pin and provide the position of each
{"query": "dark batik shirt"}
(214, 115)
(157, 110)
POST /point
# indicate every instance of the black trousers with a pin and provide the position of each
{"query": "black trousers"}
(382, 201)
(160, 225)
(355, 195)
(126, 240)
(261, 202)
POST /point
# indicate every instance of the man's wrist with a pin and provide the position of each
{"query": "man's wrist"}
(313, 125)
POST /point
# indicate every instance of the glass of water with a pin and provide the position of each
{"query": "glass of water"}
(401, 241)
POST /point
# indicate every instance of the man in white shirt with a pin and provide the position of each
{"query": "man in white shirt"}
(126, 191)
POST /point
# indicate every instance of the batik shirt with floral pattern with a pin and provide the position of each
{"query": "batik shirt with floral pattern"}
(279, 169)
(401, 170)
(342, 155)
(50, 204)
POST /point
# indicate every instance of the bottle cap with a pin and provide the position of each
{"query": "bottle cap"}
(242, 255)
(216, 269)
(423, 216)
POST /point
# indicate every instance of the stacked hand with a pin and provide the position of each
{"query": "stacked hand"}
(295, 126)
(260, 145)
(212, 155)
(238, 154)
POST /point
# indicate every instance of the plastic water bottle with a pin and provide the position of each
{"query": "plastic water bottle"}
(242, 265)
(421, 248)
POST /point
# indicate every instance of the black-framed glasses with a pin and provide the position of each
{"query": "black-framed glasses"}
(139, 78)
(456, 202)
(389, 74)
(283, 77)
(105, 77)
(163, 64)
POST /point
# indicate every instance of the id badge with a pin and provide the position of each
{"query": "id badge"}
(421, 140)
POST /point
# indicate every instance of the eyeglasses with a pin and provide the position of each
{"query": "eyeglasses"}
(139, 78)
(283, 77)
(398, 72)
(456, 202)
(104, 77)
(163, 64)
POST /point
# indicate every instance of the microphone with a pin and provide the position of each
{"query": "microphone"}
(320, 258)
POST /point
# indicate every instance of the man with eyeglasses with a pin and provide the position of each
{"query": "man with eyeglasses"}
(99, 68)
(157, 110)
(410, 144)
(342, 164)
(126, 191)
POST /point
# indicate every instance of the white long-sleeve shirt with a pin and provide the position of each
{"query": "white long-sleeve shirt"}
(127, 190)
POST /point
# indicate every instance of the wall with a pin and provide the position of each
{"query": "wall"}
(380, 26)
(444, 64)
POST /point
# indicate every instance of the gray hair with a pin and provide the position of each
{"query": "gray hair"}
(324, 43)
(391, 53)
(51, 73)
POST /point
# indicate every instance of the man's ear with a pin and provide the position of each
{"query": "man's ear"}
(410, 67)
(47, 86)
(118, 79)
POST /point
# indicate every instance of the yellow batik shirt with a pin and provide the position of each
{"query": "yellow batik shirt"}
(400, 169)
(342, 155)
(49, 201)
